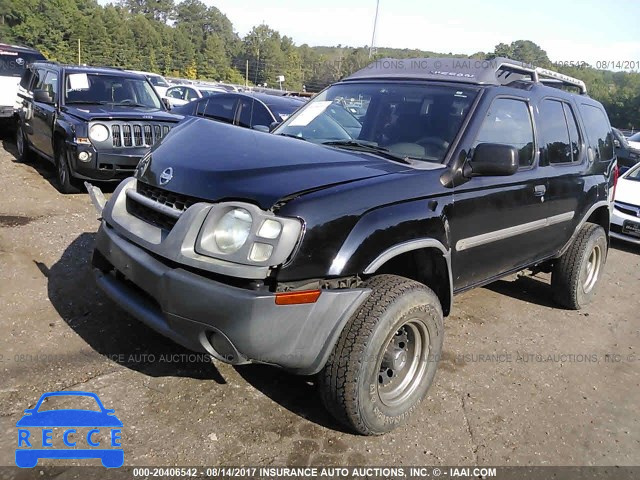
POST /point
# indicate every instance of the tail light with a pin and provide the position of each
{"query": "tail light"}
(616, 176)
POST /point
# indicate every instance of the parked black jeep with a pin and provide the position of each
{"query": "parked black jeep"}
(92, 123)
(336, 249)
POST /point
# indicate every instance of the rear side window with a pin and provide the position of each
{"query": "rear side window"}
(13, 63)
(221, 108)
(254, 113)
(556, 142)
(598, 131)
(508, 122)
(201, 107)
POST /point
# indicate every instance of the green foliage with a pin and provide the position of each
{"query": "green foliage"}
(190, 39)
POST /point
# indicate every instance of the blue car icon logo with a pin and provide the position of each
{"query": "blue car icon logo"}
(74, 429)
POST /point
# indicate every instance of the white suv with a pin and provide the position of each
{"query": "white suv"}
(13, 61)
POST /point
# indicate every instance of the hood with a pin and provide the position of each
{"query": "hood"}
(628, 191)
(112, 112)
(215, 161)
(8, 90)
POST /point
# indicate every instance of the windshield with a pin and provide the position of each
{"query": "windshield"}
(98, 89)
(415, 121)
(635, 137)
(12, 63)
(158, 81)
(634, 173)
(282, 112)
(208, 93)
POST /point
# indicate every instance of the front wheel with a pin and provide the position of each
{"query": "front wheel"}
(65, 182)
(386, 357)
(577, 273)
(25, 154)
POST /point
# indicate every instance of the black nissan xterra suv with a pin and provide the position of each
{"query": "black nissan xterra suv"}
(334, 245)
(92, 123)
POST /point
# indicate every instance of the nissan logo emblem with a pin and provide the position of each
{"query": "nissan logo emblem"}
(166, 176)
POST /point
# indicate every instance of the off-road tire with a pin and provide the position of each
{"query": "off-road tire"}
(348, 384)
(571, 270)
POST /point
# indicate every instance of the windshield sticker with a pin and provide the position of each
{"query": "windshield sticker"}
(78, 81)
(310, 113)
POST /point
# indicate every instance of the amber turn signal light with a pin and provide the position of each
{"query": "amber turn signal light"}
(297, 298)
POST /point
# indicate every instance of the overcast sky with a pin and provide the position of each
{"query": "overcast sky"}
(579, 30)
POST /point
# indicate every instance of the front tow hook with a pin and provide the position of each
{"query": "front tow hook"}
(97, 197)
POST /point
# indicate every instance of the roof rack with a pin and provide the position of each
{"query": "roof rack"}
(496, 71)
(539, 74)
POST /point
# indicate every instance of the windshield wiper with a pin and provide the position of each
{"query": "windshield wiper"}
(368, 147)
(290, 135)
(86, 102)
(132, 105)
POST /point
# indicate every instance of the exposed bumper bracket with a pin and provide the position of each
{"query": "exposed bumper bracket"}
(97, 197)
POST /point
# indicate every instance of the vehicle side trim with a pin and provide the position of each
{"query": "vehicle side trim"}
(489, 237)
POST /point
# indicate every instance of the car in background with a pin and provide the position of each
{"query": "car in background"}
(248, 110)
(92, 123)
(13, 62)
(627, 155)
(634, 140)
(625, 221)
(183, 94)
(158, 82)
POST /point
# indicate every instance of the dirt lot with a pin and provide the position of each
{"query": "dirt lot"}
(522, 382)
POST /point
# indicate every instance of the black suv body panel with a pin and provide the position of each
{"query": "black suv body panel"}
(367, 212)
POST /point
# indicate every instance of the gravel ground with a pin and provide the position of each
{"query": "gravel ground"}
(522, 382)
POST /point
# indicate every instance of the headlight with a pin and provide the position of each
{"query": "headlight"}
(244, 234)
(232, 230)
(98, 133)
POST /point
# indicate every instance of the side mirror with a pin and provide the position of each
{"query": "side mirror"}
(493, 159)
(273, 126)
(262, 128)
(42, 96)
(29, 411)
(166, 103)
(616, 143)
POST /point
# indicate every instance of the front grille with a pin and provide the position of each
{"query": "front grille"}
(150, 215)
(626, 208)
(159, 219)
(176, 201)
(137, 134)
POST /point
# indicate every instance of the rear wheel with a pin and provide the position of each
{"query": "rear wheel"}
(65, 182)
(386, 357)
(577, 273)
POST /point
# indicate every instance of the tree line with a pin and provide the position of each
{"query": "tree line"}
(192, 40)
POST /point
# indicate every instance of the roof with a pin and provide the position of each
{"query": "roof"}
(497, 71)
(276, 100)
(18, 48)
(90, 69)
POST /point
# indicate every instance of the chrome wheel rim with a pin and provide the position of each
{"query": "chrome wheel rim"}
(404, 363)
(593, 269)
(20, 143)
(62, 170)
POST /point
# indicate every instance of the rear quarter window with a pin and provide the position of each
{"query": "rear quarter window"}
(598, 131)
(13, 64)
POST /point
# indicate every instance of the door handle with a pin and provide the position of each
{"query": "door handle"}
(539, 190)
